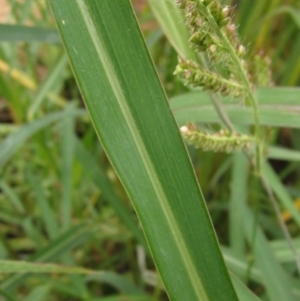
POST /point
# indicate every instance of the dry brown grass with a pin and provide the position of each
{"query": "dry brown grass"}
(4, 10)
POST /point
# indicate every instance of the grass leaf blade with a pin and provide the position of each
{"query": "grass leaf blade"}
(133, 120)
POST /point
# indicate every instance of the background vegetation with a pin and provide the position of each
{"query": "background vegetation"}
(61, 201)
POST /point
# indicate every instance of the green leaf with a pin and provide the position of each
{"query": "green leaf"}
(133, 120)
(283, 251)
(281, 192)
(121, 283)
(47, 214)
(242, 291)
(54, 76)
(281, 153)
(39, 293)
(67, 155)
(20, 33)
(61, 245)
(15, 140)
(7, 296)
(277, 281)
(125, 297)
(13, 197)
(275, 278)
(21, 267)
(238, 194)
(172, 22)
(279, 107)
(288, 9)
(99, 177)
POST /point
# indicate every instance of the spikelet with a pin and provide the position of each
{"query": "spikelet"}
(195, 75)
(223, 141)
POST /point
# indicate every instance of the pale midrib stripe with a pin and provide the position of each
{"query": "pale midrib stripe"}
(112, 77)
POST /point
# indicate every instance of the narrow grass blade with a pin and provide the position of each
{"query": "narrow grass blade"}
(276, 280)
(292, 65)
(99, 177)
(125, 297)
(20, 33)
(282, 250)
(47, 214)
(248, 15)
(14, 141)
(286, 9)
(172, 22)
(133, 120)
(279, 107)
(121, 283)
(280, 153)
(39, 293)
(238, 194)
(243, 292)
(61, 245)
(281, 192)
(54, 76)
(239, 266)
(67, 156)
(13, 197)
(69, 290)
(8, 296)
(21, 267)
